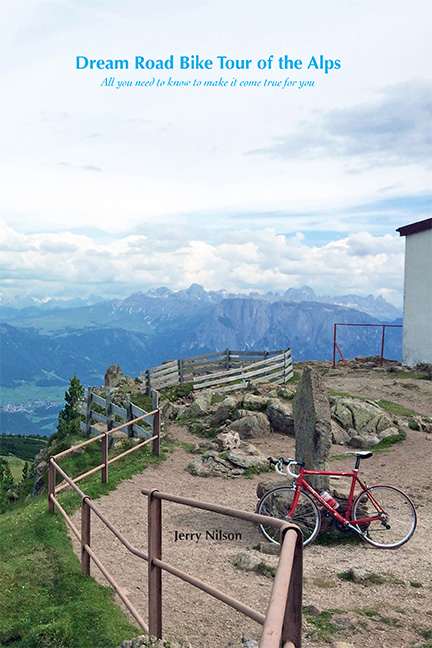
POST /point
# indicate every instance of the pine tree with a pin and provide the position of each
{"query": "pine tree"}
(70, 417)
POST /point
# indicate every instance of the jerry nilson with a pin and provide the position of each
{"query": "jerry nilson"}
(214, 534)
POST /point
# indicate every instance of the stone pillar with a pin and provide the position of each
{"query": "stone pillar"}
(312, 425)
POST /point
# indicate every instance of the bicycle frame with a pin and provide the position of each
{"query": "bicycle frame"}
(300, 483)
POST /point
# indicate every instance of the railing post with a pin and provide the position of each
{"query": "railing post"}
(180, 369)
(104, 459)
(51, 485)
(85, 536)
(154, 573)
(292, 627)
(156, 431)
(227, 359)
(334, 345)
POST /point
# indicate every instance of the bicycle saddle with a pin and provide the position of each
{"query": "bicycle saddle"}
(363, 454)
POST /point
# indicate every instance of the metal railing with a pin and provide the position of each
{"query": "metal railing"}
(282, 622)
(336, 345)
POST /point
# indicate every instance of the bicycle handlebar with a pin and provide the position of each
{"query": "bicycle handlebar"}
(279, 463)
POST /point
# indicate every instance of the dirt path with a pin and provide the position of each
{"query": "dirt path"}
(392, 610)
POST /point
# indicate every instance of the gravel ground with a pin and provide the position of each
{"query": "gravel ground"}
(391, 609)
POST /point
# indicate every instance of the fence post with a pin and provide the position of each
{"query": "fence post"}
(85, 536)
(108, 409)
(104, 459)
(88, 411)
(156, 431)
(155, 399)
(51, 486)
(129, 416)
(180, 368)
(148, 382)
(227, 359)
(154, 573)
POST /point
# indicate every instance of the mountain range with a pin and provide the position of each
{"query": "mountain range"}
(47, 343)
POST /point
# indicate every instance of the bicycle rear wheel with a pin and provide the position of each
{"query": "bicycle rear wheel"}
(396, 526)
(277, 503)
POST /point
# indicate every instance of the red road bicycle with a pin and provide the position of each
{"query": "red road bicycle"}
(382, 515)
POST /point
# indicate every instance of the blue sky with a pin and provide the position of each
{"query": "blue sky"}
(110, 191)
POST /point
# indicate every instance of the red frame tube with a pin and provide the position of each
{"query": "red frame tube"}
(301, 482)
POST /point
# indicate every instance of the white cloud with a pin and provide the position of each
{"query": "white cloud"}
(256, 260)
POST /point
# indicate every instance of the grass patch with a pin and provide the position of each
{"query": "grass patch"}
(177, 391)
(45, 601)
(16, 466)
(322, 582)
(295, 377)
(265, 569)
(324, 628)
(396, 409)
(390, 440)
(416, 584)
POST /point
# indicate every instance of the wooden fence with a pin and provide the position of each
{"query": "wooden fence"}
(223, 370)
(110, 410)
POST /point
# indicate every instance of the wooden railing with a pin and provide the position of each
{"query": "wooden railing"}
(224, 370)
(282, 622)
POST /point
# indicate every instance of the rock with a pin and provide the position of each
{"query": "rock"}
(169, 411)
(265, 486)
(312, 422)
(339, 435)
(232, 463)
(228, 440)
(342, 644)
(269, 548)
(251, 426)
(244, 561)
(197, 409)
(249, 457)
(280, 416)
(365, 441)
(311, 610)
(254, 403)
(204, 395)
(224, 411)
(41, 469)
(358, 575)
(387, 432)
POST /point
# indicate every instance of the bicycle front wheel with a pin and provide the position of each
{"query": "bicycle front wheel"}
(397, 523)
(278, 503)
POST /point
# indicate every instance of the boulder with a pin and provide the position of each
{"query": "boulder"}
(232, 463)
(224, 411)
(280, 416)
(254, 403)
(247, 457)
(312, 422)
(251, 426)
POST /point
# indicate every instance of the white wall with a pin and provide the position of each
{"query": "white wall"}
(417, 328)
